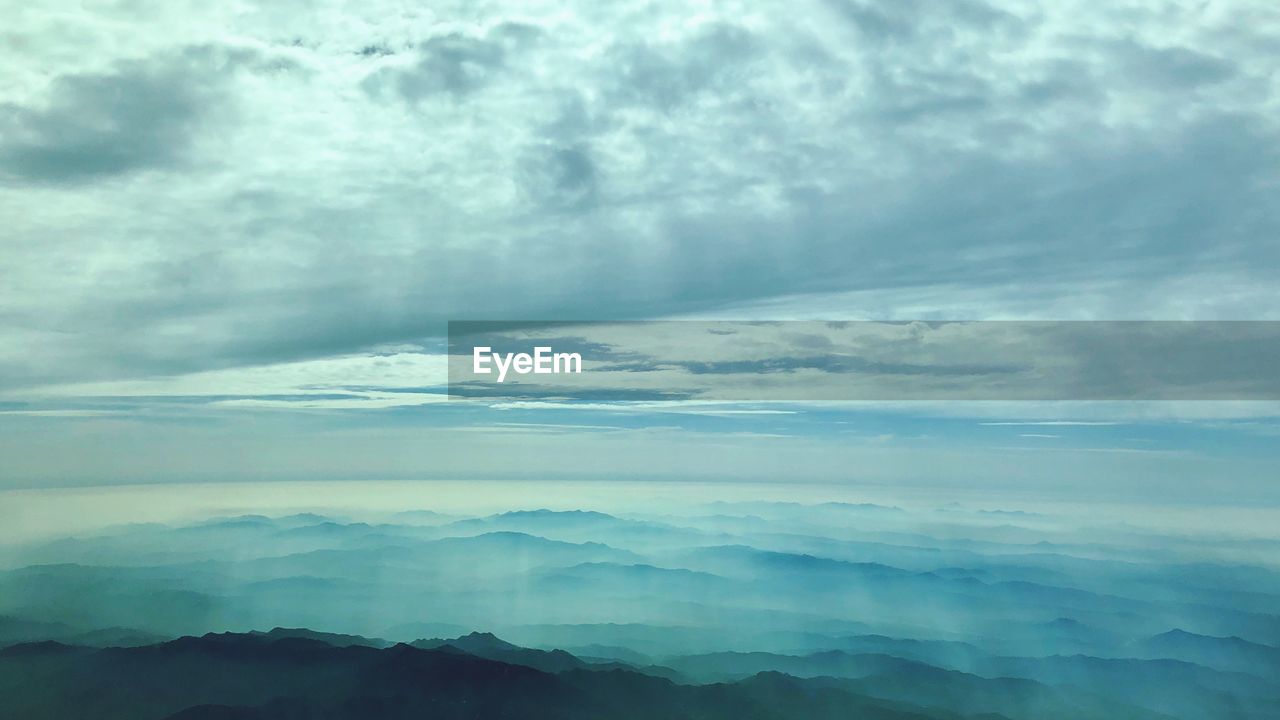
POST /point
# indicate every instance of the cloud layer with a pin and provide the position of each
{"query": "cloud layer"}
(192, 187)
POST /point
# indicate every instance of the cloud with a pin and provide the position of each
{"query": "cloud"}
(909, 22)
(664, 75)
(219, 188)
(888, 360)
(1052, 423)
(456, 64)
(353, 382)
(558, 176)
(134, 116)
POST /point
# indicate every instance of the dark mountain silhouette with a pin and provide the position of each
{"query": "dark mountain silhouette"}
(1076, 686)
(490, 647)
(334, 639)
(253, 676)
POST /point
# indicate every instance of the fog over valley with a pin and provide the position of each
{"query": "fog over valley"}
(1006, 610)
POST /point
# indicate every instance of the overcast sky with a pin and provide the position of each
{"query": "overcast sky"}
(273, 204)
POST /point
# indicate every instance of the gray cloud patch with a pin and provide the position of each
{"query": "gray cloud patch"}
(1170, 67)
(906, 21)
(664, 75)
(563, 177)
(456, 64)
(92, 125)
(1048, 361)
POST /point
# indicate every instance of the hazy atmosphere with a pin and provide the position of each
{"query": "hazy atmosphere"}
(241, 477)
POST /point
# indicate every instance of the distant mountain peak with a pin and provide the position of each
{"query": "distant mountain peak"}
(486, 637)
(473, 642)
(41, 647)
(1186, 636)
(547, 513)
(1177, 633)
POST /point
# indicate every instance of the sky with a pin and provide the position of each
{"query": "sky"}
(232, 232)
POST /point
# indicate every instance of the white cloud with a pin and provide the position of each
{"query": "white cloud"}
(345, 382)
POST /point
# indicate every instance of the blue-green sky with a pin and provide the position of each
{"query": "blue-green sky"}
(232, 233)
